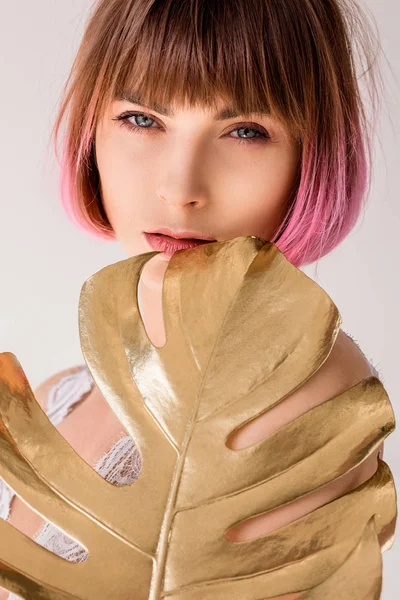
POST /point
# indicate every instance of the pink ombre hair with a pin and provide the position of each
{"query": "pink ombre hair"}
(294, 59)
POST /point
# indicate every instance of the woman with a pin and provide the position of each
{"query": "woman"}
(209, 121)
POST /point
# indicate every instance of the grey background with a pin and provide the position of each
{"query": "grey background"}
(45, 260)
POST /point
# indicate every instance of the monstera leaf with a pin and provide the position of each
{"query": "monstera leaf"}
(244, 329)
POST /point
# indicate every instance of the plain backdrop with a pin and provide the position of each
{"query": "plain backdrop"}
(45, 260)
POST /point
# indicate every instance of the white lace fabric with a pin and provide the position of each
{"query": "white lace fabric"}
(62, 397)
(6, 496)
(120, 466)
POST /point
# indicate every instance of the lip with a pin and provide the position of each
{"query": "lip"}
(178, 235)
(168, 245)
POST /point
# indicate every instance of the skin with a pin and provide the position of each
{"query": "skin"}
(193, 173)
(152, 179)
(190, 172)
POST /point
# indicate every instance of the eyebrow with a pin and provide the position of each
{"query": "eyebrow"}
(134, 98)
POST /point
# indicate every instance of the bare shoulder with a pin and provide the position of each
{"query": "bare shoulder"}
(357, 368)
(348, 350)
(345, 366)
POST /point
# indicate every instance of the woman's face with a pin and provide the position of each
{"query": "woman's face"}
(221, 178)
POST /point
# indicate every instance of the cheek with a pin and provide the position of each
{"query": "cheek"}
(280, 177)
(261, 188)
(250, 187)
(123, 177)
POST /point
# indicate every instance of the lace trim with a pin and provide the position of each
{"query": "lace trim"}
(6, 496)
(120, 466)
(62, 397)
(66, 393)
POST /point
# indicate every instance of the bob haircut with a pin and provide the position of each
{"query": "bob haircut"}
(291, 59)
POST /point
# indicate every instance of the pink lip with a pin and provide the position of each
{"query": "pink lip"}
(191, 235)
(168, 245)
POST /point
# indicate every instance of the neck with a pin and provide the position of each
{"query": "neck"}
(152, 275)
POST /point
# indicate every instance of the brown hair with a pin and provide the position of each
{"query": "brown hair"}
(294, 59)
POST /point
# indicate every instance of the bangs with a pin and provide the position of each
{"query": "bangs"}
(293, 60)
(198, 52)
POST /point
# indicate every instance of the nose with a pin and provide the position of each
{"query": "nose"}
(185, 182)
(183, 200)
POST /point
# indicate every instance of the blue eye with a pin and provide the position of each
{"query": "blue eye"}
(261, 135)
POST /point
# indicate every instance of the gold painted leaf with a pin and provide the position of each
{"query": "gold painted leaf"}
(244, 329)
